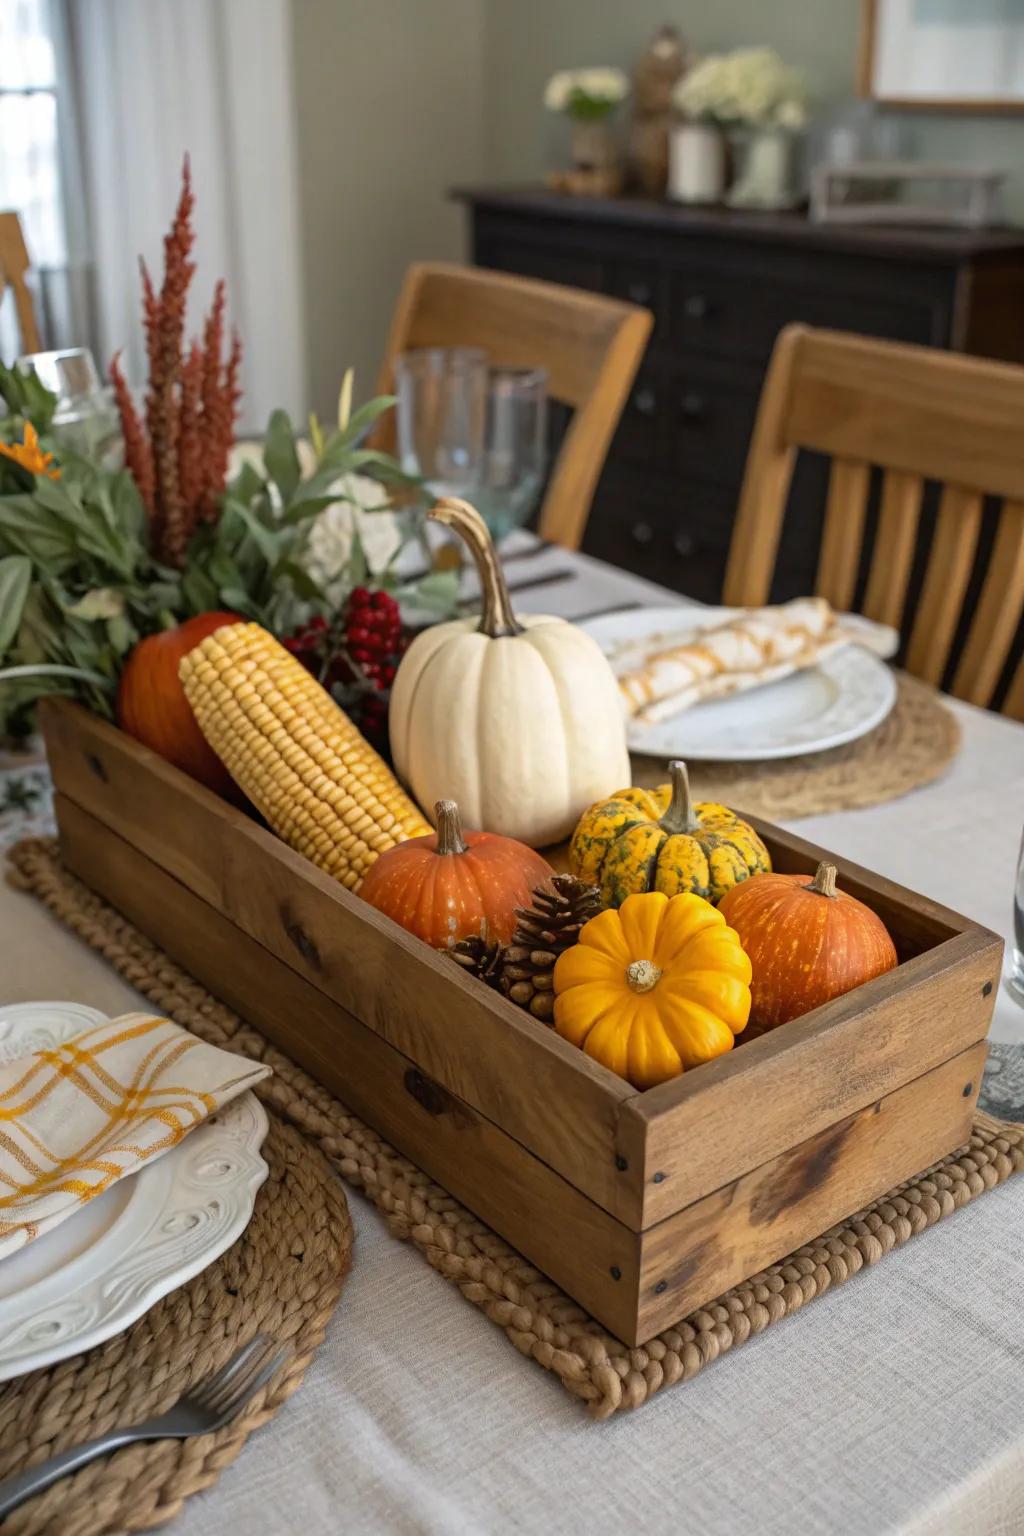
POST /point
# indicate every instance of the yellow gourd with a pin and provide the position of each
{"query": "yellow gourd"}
(658, 840)
(653, 988)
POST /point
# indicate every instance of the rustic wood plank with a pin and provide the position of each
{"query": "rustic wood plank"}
(845, 510)
(482, 1048)
(561, 1231)
(714, 1244)
(704, 1129)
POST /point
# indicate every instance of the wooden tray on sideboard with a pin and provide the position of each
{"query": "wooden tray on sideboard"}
(642, 1206)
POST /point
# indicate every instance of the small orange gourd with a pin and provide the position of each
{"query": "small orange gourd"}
(808, 942)
(454, 885)
(653, 987)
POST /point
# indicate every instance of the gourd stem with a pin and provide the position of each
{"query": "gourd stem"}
(824, 882)
(449, 828)
(642, 975)
(679, 817)
(496, 616)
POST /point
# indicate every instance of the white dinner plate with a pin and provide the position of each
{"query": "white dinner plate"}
(98, 1271)
(843, 697)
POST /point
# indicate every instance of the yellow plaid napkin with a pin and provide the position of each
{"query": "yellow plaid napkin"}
(75, 1119)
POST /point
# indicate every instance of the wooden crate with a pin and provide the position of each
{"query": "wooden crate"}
(643, 1206)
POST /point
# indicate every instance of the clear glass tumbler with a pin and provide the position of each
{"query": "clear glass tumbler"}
(442, 407)
(515, 448)
(1017, 967)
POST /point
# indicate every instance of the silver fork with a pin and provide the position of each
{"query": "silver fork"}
(206, 1407)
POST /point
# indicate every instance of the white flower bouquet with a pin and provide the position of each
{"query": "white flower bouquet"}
(586, 94)
(750, 87)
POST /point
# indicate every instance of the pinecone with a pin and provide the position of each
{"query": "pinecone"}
(479, 958)
(560, 908)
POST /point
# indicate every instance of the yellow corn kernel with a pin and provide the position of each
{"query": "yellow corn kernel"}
(297, 756)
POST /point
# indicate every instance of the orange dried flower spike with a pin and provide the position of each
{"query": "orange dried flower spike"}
(29, 454)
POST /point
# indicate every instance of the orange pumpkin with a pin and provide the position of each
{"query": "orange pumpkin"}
(452, 884)
(807, 941)
(152, 707)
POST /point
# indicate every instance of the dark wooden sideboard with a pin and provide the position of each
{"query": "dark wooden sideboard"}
(721, 285)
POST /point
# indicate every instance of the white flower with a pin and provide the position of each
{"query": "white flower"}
(586, 92)
(332, 534)
(750, 85)
(791, 114)
(559, 89)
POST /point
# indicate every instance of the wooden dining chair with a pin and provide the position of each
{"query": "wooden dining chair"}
(918, 415)
(14, 263)
(590, 345)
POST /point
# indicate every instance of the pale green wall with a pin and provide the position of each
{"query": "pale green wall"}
(389, 100)
(397, 100)
(526, 40)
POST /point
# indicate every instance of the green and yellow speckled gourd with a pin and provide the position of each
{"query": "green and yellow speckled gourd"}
(659, 840)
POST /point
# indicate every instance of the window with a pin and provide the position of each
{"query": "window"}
(30, 162)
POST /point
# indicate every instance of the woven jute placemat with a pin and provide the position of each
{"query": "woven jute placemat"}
(540, 1320)
(913, 746)
(282, 1277)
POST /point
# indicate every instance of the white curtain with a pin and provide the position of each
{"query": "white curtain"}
(157, 78)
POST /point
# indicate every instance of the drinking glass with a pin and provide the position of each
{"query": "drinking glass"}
(442, 407)
(1017, 967)
(85, 420)
(515, 447)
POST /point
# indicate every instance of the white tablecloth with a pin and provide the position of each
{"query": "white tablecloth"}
(895, 1404)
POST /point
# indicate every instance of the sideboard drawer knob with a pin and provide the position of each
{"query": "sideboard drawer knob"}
(684, 544)
(693, 407)
(695, 306)
(645, 401)
(639, 293)
(642, 533)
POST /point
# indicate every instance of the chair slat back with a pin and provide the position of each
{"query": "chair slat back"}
(14, 263)
(918, 414)
(590, 345)
(895, 542)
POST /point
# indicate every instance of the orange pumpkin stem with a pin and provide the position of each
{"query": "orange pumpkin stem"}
(496, 616)
(824, 882)
(679, 817)
(449, 828)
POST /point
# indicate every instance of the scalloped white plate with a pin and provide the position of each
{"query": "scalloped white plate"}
(847, 694)
(107, 1265)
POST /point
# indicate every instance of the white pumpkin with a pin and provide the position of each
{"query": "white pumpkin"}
(519, 720)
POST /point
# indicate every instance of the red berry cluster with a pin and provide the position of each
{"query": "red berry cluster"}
(356, 659)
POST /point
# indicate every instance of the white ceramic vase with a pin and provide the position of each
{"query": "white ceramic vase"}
(764, 177)
(696, 163)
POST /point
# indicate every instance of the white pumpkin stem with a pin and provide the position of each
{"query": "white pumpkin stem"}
(496, 616)
(824, 882)
(448, 822)
(679, 817)
(642, 975)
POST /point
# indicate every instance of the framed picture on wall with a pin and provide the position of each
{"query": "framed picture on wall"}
(946, 55)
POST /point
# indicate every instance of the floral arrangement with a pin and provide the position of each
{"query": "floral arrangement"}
(95, 559)
(750, 87)
(586, 95)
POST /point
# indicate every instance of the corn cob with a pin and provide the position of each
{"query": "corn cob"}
(298, 757)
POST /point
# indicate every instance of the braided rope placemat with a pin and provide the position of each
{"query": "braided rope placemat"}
(540, 1321)
(914, 745)
(282, 1277)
